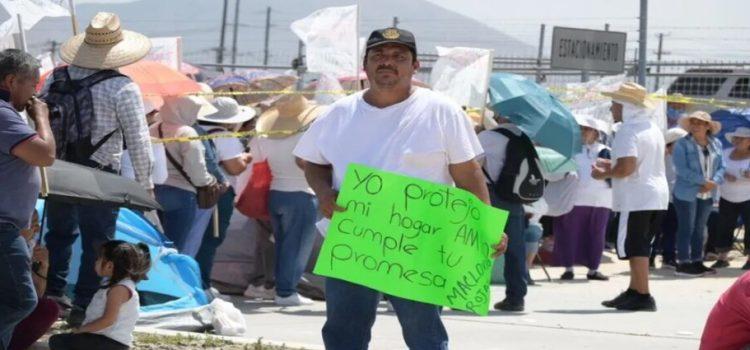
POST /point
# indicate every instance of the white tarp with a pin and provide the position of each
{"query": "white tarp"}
(330, 37)
(31, 11)
(462, 73)
(586, 97)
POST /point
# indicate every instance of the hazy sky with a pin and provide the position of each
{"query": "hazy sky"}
(717, 29)
(692, 28)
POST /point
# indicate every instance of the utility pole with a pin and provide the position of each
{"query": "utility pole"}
(659, 53)
(53, 51)
(234, 31)
(268, 33)
(540, 55)
(301, 66)
(642, 32)
(220, 51)
(395, 22)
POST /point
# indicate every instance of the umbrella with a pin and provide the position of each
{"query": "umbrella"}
(159, 79)
(553, 162)
(535, 111)
(77, 184)
(152, 78)
(731, 120)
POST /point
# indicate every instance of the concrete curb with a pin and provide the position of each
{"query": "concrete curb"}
(238, 340)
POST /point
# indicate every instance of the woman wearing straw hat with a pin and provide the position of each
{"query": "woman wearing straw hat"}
(735, 195)
(699, 164)
(186, 165)
(233, 160)
(579, 235)
(292, 204)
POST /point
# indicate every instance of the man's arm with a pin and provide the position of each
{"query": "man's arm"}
(625, 167)
(129, 108)
(468, 176)
(38, 150)
(320, 179)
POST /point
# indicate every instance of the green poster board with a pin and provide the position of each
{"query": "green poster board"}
(413, 239)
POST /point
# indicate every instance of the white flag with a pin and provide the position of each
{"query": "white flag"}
(330, 37)
(31, 11)
(462, 73)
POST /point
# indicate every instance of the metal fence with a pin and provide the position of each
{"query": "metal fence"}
(696, 78)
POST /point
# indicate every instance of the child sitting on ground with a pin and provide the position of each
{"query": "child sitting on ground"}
(113, 312)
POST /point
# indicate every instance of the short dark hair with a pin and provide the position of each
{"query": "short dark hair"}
(14, 61)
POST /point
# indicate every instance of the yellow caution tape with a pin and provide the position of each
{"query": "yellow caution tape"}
(236, 135)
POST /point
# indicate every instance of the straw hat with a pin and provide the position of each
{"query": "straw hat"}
(184, 110)
(700, 115)
(739, 132)
(229, 112)
(633, 94)
(674, 134)
(105, 45)
(289, 113)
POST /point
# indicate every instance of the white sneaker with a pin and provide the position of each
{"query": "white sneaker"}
(259, 292)
(213, 293)
(293, 300)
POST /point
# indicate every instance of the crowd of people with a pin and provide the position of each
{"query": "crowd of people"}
(655, 192)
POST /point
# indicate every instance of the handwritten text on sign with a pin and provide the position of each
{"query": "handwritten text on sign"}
(412, 239)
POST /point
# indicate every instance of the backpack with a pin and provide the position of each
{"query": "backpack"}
(72, 114)
(521, 179)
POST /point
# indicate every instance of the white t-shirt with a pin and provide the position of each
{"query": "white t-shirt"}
(417, 137)
(122, 329)
(286, 175)
(646, 188)
(591, 192)
(495, 145)
(226, 148)
(737, 191)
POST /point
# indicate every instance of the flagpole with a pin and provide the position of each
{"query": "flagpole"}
(73, 18)
(21, 33)
(357, 58)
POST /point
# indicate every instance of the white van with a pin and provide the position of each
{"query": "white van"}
(719, 83)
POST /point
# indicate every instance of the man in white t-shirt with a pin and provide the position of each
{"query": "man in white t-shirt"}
(640, 192)
(399, 128)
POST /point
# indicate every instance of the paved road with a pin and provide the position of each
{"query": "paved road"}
(558, 316)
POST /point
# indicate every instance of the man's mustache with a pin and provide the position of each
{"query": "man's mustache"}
(387, 68)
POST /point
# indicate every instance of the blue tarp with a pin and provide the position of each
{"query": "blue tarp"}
(173, 283)
(731, 120)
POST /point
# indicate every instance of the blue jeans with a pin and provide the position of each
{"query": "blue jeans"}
(351, 310)
(515, 257)
(293, 216)
(96, 225)
(692, 217)
(179, 208)
(17, 294)
(207, 251)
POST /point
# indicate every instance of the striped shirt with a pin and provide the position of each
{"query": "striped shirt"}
(118, 107)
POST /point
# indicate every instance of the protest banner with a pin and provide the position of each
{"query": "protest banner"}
(413, 239)
(167, 50)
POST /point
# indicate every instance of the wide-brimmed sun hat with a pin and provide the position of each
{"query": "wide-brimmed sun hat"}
(703, 116)
(229, 112)
(289, 114)
(105, 45)
(739, 132)
(633, 94)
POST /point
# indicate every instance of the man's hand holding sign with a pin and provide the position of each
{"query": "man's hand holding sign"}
(412, 238)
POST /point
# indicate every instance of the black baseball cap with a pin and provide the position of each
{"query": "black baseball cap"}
(393, 36)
